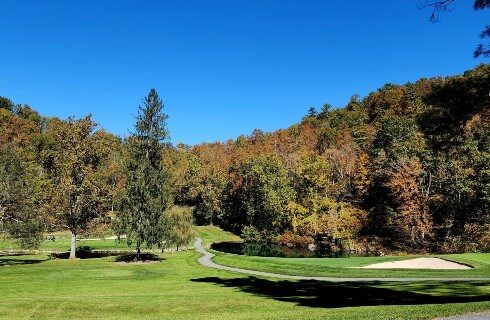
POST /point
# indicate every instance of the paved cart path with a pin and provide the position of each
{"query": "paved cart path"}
(470, 316)
(206, 260)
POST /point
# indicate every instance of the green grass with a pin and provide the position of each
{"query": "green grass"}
(469, 258)
(342, 267)
(179, 288)
(210, 234)
(62, 243)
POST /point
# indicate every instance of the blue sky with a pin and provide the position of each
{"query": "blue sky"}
(222, 67)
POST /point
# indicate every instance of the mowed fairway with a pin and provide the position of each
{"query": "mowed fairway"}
(35, 287)
(179, 288)
(346, 267)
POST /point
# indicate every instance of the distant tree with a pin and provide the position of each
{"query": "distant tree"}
(18, 214)
(441, 6)
(78, 195)
(325, 110)
(386, 102)
(453, 102)
(354, 102)
(258, 195)
(362, 176)
(257, 136)
(147, 194)
(111, 169)
(7, 104)
(179, 222)
(414, 222)
(16, 130)
(312, 178)
(312, 112)
(26, 112)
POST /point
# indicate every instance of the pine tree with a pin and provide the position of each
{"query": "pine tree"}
(143, 219)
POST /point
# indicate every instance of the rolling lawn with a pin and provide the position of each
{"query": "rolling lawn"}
(177, 287)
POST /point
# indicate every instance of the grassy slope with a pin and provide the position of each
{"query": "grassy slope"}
(210, 234)
(179, 288)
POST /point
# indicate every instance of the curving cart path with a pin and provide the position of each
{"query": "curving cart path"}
(206, 260)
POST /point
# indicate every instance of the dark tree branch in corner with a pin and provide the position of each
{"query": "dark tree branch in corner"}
(437, 7)
(481, 4)
(481, 50)
(441, 6)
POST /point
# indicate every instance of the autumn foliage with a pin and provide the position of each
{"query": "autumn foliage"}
(404, 168)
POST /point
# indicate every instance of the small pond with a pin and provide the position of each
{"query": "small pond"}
(273, 250)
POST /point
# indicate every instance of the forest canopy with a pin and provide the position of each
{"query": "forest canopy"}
(406, 168)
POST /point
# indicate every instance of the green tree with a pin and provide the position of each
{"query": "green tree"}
(179, 222)
(7, 104)
(147, 194)
(452, 103)
(78, 195)
(18, 215)
(258, 195)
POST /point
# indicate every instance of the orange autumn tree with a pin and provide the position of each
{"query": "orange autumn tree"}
(413, 221)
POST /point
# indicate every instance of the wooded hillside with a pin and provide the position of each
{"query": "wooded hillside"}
(405, 168)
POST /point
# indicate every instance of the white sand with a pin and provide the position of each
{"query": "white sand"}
(417, 263)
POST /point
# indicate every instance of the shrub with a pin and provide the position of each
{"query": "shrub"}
(290, 239)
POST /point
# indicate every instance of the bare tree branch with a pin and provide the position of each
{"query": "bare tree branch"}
(439, 6)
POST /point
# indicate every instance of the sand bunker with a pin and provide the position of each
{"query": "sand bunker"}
(418, 263)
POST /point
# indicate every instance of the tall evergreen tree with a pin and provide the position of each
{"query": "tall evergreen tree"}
(143, 219)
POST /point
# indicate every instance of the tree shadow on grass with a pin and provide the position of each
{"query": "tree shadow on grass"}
(144, 257)
(86, 252)
(18, 261)
(87, 255)
(321, 294)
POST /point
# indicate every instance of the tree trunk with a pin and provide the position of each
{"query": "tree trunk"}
(137, 257)
(73, 246)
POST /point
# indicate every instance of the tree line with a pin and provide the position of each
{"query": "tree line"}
(68, 175)
(405, 168)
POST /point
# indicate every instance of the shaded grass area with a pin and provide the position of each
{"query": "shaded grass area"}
(89, 253)
(18, 259)
(339, 295)
(179, 288)
(144, 257)
(343, 267)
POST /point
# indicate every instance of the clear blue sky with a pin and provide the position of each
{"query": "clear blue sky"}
(222, 67)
